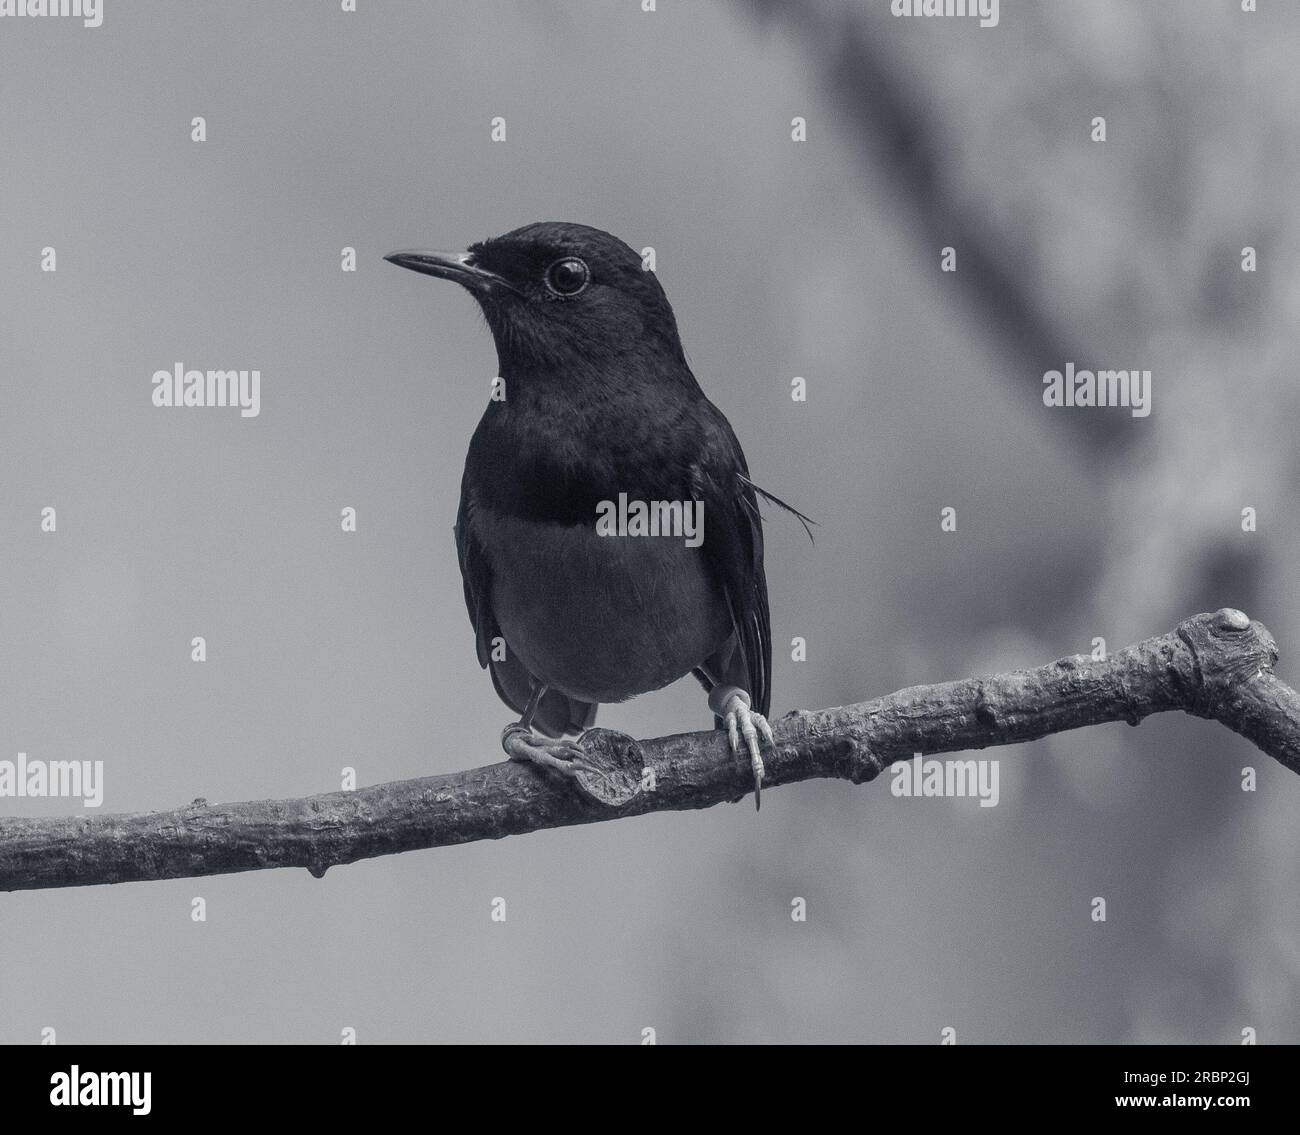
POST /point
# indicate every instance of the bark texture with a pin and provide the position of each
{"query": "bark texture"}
(1217, 666)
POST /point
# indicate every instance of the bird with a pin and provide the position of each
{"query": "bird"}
(595, 402)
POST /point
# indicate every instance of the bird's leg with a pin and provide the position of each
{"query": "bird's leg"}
(522, 744)
(732, 704)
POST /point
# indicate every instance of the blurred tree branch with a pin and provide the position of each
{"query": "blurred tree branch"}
(897, 136)
(1214, 666)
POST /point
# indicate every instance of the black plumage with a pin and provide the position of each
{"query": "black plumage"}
(599, 400)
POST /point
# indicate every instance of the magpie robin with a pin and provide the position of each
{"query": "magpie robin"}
(597, 404)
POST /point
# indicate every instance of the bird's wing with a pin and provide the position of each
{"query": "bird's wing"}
(476, 575)
(733, 547)
(557, 713)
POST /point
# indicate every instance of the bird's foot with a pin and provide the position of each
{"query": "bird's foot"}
(522, 744)
(733, 706)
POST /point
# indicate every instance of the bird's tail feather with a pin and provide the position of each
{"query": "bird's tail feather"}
(806, 521)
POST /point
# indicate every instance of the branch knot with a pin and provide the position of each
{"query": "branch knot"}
(1227, 648)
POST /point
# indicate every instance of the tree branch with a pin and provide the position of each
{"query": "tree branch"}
(1214, 666)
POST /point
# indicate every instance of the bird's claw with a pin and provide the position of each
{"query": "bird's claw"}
(744, 723)
(564, 757)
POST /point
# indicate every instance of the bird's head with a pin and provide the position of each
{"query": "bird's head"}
(559, 296)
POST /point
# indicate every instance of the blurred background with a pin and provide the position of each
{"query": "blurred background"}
(819, 259)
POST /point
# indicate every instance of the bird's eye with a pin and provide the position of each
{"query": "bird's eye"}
(567, 277)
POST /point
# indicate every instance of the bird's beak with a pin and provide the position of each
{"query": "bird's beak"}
(458, 266)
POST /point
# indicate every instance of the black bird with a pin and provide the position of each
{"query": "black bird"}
(598, 400)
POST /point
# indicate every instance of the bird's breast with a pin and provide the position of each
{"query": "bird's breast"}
(601, 617)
